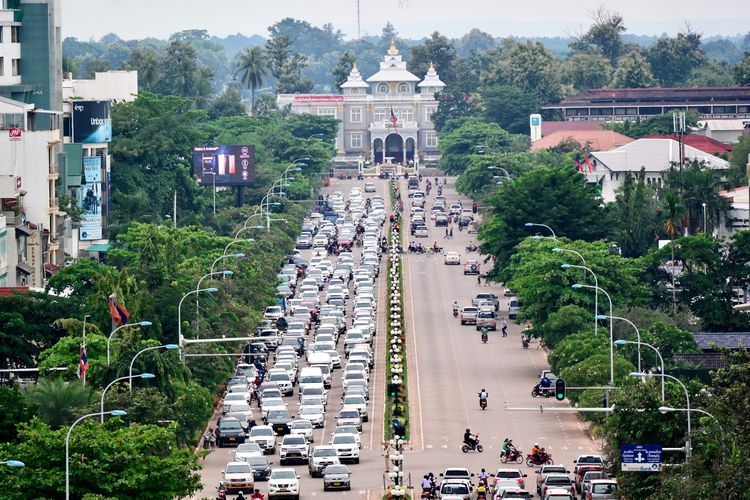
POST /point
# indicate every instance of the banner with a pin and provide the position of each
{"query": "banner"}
(224, 165)
(92, 121)
(89, 196)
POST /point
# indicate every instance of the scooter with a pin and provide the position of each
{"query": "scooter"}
(455, 312)
(221, 491)
(483, 403)
(484, 337)
(466, 447)
(525, 342)
(546, 392)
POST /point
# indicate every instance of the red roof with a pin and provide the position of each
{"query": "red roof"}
(548, 127)
(5, 291)
(706, 144)
(596, 140)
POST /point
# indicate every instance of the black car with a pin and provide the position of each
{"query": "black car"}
(279, 420)
(229, 431)
(261, 467)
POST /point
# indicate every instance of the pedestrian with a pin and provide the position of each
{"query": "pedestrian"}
(446, 232)
(479, 280)
(206, 442)
(212, 438)
(450, 235)
(505, 328)
(486, 281)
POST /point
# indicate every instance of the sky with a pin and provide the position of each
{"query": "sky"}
(87, 19)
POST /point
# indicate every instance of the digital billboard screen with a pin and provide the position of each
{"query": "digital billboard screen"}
(92, 121)
(224, 165)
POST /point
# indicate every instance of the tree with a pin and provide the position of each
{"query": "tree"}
(656, 125)
(673, 59)
(528, 66)
(509, 107)
(252, 68)
(587, 70)
(696, 185)
(183, 76)
(635, 216)
(148, 64)
(306, 38)
(13, 411)
(475, 41)
(561, 324)
(437, 50)
(595, 371)
(57, 402)
(741, 71)
(556, 196)
(484, 171)
(136, 461)
(229, 103)
(576, 347)
(343, 67)
(473, 136)
(605, 35)
(633, 71)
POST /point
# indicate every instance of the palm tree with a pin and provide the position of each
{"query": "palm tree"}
(57, 401)
(252, 68)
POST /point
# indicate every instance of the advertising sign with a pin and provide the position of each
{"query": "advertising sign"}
(34, 259)
(224, 165)
(92, 121)
(319, 98)
(15, 133)
(90, 198)
(640, 457)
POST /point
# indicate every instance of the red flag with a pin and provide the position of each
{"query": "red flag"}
(83, 363)
(591, 164)
(394, 120)
(118, 313)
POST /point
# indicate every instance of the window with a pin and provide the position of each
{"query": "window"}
(11, 120)
(16, 70)
(1, 34)
(403, 88)
(355, 140)
(355, 115)
(2, 65)
(354, 91)
(382, 88)
(431, 140)
(379, 115)
(327, 112)
(405, 114)
(14, 34)
(428, 110)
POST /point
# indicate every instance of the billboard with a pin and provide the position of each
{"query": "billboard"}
(89, 196)
(224, 165)
(92, 121)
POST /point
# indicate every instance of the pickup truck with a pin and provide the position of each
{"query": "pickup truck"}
(486, 296)
(486, 319)
(469, 315)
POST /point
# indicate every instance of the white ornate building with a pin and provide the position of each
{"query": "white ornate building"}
(368, 132)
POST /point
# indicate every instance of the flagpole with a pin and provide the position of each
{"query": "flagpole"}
(84, 345)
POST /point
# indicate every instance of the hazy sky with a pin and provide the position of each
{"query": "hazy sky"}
(85, 19)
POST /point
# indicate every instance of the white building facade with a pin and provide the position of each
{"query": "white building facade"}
(386, 118)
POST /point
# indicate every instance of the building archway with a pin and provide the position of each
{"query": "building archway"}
(377, 151)
(409, 149)
(394, 148)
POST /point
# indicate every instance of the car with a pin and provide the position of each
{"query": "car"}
(559, 494)
(320, 458)
(282, 379)
(469, 315)
(452, 259)
(337, 477)
(261, 467)
(455, 489)
(585, 459)
(356, 401)
(471, 267)
(320, 241)
(315, 414)
(588, 476)
(302, 427)
(421, 231)
(370, 187)
(238, 476)
(349, 416)
(546, 470)
(580, 472)
(247, 450)
(514, 307)
(283, 483)
(558, 482)
(515, 493)
(303, 241)
(349, 429)
(346, 447)
(500, 486)
(456, 473)
(271, 404)
(279, 421)
(229, 431)
(273, 313)
(441, 220)
(265, 437)
(486, 319)
(486, 296)
(293, 447)
(510, 474)
(602, 489)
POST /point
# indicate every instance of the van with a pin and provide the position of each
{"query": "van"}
(514, 308)
(311, 376)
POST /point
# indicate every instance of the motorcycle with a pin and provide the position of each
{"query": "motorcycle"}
(512, 456)
(472, 248)
(440, 190)
(525, 343)
(546, 392)
(482, 492)
(430, 492)
(455, 312)
(221, 491)
(483, 403)
(484, 337)
(542, 458)
(466, 447)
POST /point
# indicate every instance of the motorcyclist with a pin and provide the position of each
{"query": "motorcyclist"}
(544, 384)
(470, 439)
(483, 395)
(257, 495)
(535, 451)
(426, 484)
(483, 476)
(484, 333)
(455, 307)
(241, 496)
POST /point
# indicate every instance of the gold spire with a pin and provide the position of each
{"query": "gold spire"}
(393, 51)
(432, 67)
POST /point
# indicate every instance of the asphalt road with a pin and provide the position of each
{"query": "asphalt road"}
(448, 365)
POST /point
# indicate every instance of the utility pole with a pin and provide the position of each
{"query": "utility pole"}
(358, 20)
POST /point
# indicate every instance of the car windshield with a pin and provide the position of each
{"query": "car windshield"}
(247, 448)
(310, 410)
(354, 400)
(324, 452)
(343, 439)
(349, 414)
(609, 488)
(589, 460)
(337, 469)
(294, 440)
(302, 424)
(262, 432)
(273, 402)
(456, 473)
(278, 414)
(454, 489)
(557, 480)
(283, 474)
(507, 474)
(227, 425)
(237, 468)
(346, 429)
(258, 462)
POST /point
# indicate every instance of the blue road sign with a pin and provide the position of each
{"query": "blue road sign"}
(640, 457)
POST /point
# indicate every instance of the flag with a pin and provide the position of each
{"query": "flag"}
(577, 160)
(83, 363)
(591, 164)
(118, 313)
(394, 121)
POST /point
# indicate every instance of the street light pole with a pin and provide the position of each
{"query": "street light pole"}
(658, 354)
(638, 335)
(126, 325)
(132, 361)
(611, 330)
(197, 300)
(596, 291)
(85, 317)
(667, 409)
(532, 224)
(117, 413)
(688, 444)
(120, 379)
(704, 216)
(180, 339)
(225, 256)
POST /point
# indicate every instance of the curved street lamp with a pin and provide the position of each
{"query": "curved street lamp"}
(224, 273)
(180, 339)
(533, 224)
(132, 361)
(611, 330)
(120, 379)
(13, 463)
(596, 291)
(668, 409)
(116, 413)
(661, 360)
(225, 256)
(126, 325)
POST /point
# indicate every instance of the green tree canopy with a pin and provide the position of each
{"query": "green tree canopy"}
(509, 107)
(438, 50)
(635, 216)
(633, 71)
(471, 137)
(604, 35)
(673, 59)
(577, 347)
(561, 324)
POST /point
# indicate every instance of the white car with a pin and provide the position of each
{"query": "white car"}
(302, 427)
(346, 447)
(247, 450)
(283, 483)
(293, 447)
(351, 430)
(358, 402)
(272, 404)
(265, 437)
(273, 313)
(322, 457)
(452, 259)
(314, 413)
(369, 187)
(349, 415)
(238, 476)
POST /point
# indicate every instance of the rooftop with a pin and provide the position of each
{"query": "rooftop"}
(732, 340)
(597, 140)
(706, 144)
(549, 127)
(604, 97)
(656, 155)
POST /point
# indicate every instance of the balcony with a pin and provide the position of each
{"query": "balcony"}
(384, 126)
(54, 173)
(53, 203)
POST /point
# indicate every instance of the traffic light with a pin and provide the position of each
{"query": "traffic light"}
(393, 390)
(560, 389)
